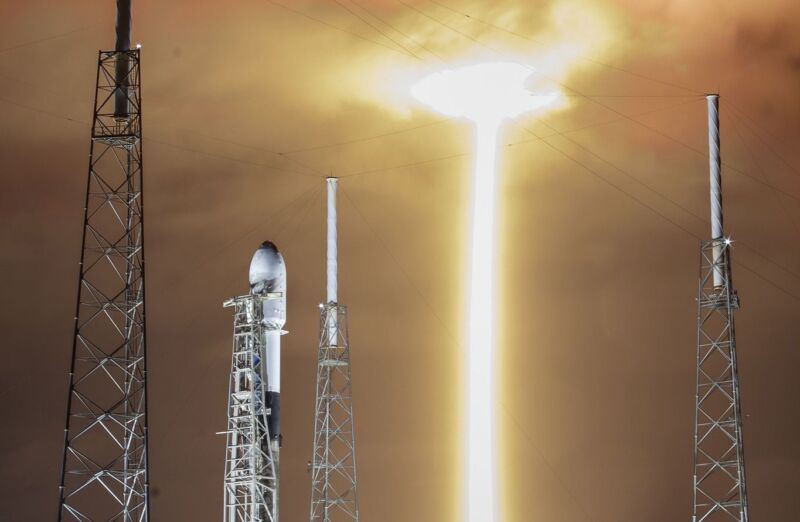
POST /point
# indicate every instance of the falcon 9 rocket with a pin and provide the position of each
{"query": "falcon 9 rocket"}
(254, 398)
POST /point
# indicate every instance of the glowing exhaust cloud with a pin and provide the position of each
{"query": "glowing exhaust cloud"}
(486, 94)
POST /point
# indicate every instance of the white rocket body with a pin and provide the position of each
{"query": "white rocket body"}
(268, 278)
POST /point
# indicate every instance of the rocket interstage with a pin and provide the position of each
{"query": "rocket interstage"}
(254, 398)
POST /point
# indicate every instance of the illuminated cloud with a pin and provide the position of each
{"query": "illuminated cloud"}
(482, 92)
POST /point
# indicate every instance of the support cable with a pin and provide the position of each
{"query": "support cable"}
(302, 209)
(395, 29)
(461, 154)
(540, 43)
(188, 131)
(295, 203)
(649, 188)
(170, 144)
(666, 218)
(378, 29)
(48, 38)
(746, 118)
(623, 116)
(231, 158)
(365, 138)
(605, 106)
(332, 26)
(754, 161)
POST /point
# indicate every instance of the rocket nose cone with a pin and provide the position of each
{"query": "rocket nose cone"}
(267, 270)
(269, 245)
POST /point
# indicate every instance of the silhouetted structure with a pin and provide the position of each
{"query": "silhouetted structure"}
(104, 469)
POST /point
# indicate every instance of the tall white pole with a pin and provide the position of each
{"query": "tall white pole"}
(334, 488)
(481, 453)
(715, 182)
(332, 253)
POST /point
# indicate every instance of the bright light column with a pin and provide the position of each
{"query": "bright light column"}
(486, 94)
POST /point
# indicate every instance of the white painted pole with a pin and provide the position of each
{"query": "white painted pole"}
(332, 253)
(715, 183)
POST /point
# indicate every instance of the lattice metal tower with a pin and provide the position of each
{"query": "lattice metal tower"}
(253, 434)
(104, 473)
(334, 492)
(719, 475)
(250, 472)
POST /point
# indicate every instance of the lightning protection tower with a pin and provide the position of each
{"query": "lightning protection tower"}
(104, 472)
(334, 492)
(719, 476)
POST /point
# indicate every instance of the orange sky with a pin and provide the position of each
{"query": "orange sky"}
(599, 240)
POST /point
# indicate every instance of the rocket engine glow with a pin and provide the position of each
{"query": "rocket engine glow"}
(486, 94)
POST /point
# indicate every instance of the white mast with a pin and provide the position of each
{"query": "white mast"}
(332, 253)
(715, 182)
(334, 488)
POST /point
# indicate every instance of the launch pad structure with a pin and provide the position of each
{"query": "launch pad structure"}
(720, 492)
(104, 470)
(253, 437)
(251, 474)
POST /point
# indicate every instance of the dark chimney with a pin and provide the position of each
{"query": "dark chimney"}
(123, 64)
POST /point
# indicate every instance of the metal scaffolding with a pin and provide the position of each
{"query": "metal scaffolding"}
(719, 479)
(720, 494)
(333, 467)
(104, 474)
(251, 480)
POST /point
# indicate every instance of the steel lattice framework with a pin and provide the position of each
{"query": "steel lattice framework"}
(334, 495)
(251, 484)
(719, 476)
(104, 469)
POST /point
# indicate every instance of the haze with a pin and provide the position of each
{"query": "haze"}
(601, 221)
